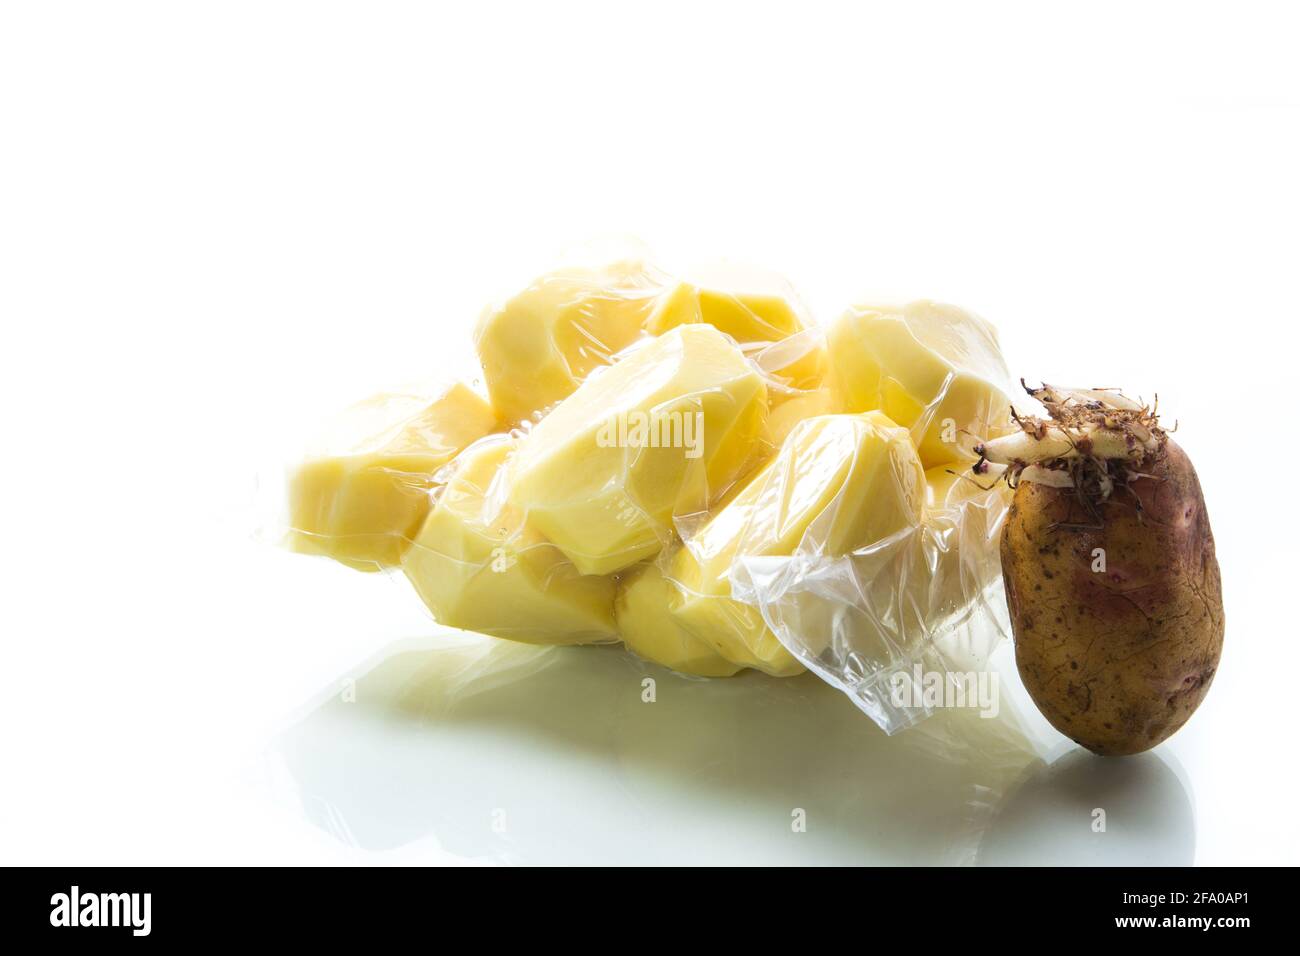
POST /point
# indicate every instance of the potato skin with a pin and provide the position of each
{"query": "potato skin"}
(1116, 660)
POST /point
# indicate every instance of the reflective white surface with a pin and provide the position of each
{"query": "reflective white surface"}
(310, 736)
(516, 754)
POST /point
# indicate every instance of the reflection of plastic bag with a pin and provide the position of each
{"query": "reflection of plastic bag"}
(706, 768)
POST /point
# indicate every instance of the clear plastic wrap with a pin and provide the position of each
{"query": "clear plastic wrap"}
(879, 621)
(685, 465)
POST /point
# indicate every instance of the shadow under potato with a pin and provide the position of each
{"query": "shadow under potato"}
(1086, 810)
(587, 754)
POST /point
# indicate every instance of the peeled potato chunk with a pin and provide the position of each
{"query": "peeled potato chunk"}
(840, 482)
(783, 418)
(363, 506)
(537, 347)
(642, 609)
(754, 310)
(666, 430)
(950, 486)
(478, 566)
(933, 368)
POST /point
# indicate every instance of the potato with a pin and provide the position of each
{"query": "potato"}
(1119, 621)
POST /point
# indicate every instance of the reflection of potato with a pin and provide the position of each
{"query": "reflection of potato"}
(1118, 656)
(1148, 815)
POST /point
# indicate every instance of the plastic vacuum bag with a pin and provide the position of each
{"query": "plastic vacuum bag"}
(898, 618)
(685, 465)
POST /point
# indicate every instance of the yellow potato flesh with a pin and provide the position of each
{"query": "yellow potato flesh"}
(783, 418)
(663, 432)
(645, 599)
(478, 565)
(764, 314)
(363, 507)
(839, 482)
(537, 348)
(933, 368)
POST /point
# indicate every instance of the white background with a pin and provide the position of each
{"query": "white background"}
(220, 221)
